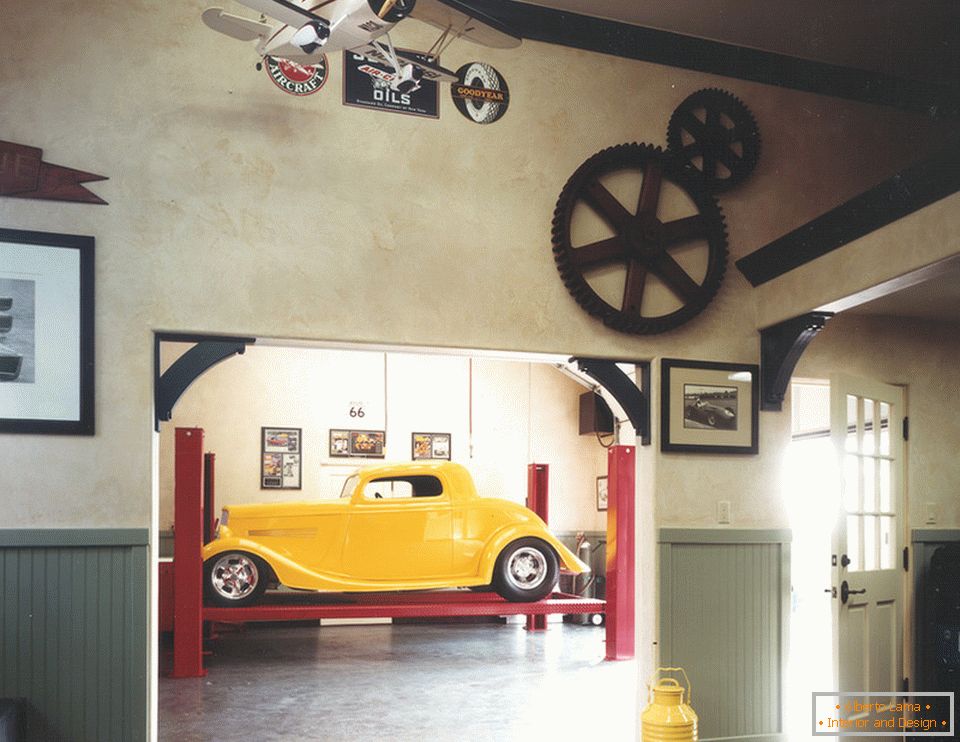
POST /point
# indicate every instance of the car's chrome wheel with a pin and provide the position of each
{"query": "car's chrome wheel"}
(235, 579)
(527, 568)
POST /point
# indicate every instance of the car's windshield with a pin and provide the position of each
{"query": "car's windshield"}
(349, 486)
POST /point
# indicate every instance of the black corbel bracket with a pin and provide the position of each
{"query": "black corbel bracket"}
(632, 399)
(780, 348)
(208, 352)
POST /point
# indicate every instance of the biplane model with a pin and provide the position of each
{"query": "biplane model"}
(301, 35)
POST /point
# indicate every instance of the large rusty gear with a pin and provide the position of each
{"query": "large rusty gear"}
(715, 136)
(641, 242)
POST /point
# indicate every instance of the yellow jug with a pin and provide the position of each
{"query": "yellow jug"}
(668, 718)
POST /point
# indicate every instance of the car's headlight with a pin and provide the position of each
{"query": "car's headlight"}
(224, 516)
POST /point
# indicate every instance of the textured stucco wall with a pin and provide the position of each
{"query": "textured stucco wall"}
(238, 209)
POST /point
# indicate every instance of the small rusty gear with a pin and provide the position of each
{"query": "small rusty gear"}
(641, 243)
(715, 136)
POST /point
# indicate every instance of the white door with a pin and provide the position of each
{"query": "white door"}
(866, 420)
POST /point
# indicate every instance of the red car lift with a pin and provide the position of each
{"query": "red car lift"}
(191, 517)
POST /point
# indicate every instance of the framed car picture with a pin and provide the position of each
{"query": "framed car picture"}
(357, 443)
(708, 407)
(281, 463)
(430, 446)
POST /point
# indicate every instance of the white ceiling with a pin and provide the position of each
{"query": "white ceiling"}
(914, 39)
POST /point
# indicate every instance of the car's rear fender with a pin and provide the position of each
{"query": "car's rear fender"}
(509, 534)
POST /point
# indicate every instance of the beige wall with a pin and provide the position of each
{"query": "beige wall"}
(238, 209)
(925, 358)
(521, 413)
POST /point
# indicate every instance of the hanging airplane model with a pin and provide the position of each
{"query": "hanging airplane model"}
(362, 27)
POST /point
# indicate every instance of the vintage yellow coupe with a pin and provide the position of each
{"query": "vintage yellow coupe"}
(395, 527)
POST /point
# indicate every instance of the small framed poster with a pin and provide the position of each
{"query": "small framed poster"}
(430, 446)
(357, 443)
(281, 464)
(601, 493)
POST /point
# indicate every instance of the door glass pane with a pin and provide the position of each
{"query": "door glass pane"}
(869, 484)
(869, 542)
(886, 505)
(869, 439)
(852, 441)
(851, 484)
(853, 543)
(885, 434)
(886, 542)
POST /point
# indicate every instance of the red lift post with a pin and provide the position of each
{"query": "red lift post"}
(187, 558)
(189, 612)
(621, 550)
(538, 500)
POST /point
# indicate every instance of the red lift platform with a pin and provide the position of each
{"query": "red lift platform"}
(194, 479)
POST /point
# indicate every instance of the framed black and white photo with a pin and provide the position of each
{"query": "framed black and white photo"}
(281, 463)
(430, 446)
(708, 407)
(46, 333)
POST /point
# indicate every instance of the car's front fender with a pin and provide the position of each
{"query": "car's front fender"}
(287, 571)
(507, 535)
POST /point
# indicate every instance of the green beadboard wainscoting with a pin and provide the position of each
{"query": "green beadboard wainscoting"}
(73, 632)
(724, 611)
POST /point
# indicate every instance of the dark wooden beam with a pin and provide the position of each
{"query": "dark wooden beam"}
(717, 58)
(909, 190)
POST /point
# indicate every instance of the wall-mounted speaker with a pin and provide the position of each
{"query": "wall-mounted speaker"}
(595, 414)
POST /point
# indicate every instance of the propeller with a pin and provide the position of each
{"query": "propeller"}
(386, 8)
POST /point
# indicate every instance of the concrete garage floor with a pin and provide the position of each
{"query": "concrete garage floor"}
(469, 683)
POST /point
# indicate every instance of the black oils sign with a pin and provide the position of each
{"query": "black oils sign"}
(366, 84)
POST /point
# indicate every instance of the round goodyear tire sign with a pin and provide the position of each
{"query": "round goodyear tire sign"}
(480, 93)
(295, 78)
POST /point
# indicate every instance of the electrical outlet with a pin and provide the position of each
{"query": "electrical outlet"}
(931, 513)
(723, 511)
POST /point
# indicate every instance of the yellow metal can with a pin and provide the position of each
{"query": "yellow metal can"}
(668, 718)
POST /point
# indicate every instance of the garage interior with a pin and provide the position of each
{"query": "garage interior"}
(424, 270)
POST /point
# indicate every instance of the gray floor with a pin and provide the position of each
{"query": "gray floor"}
(470, 683)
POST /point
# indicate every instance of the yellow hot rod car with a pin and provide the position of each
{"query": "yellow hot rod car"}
(395, 527)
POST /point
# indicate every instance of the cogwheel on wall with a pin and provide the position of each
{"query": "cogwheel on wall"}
(715, 136)
(639, 244)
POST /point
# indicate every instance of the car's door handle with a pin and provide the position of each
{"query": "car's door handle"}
(846, 592)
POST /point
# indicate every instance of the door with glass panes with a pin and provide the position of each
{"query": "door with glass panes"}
(867, 430)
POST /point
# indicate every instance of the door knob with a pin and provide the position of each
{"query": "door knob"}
(846, 592)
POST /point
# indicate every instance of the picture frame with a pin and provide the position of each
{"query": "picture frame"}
(430, 446)
(369, 444)
(46, 333)
(602, 497)
(709, 407)
(281, 458)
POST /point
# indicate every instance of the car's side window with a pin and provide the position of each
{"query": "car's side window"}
(402, 488)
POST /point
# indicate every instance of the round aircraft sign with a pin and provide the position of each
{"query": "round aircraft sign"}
(296, 78)
(480, 93)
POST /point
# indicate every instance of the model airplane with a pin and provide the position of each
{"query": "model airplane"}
(362, 27)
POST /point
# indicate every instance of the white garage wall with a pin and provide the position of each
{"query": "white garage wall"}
(522, 413)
